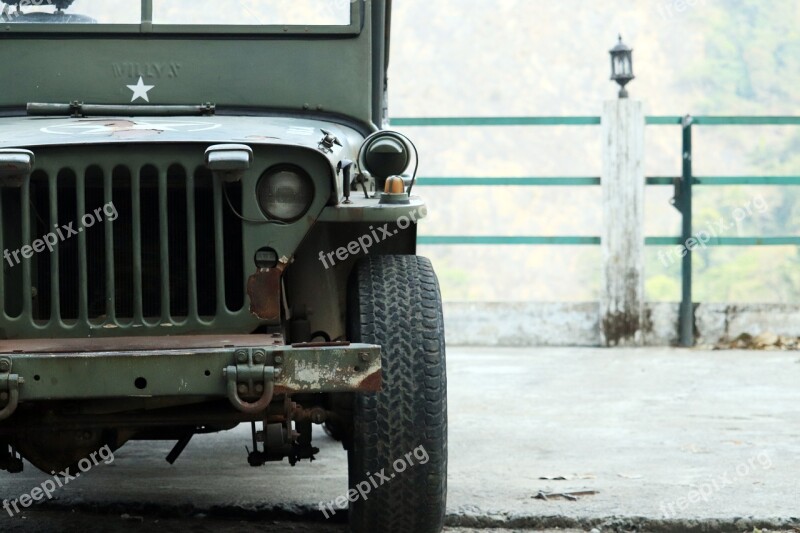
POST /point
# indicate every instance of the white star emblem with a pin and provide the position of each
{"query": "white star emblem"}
(140, 90)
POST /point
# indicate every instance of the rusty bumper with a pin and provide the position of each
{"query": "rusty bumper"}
(248, 370)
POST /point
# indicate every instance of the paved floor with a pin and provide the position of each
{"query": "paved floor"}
(661, 439)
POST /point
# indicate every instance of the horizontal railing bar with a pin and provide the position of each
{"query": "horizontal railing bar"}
(501, 240)
(496, 121)
(663, 121)
(746, 121)
(506, 181)
(725, 121)
(731, 180)
(727, 241)
(484, 240)
(662, 241)
(593, 121)
(484, 181)
(753, 241)
(661, 180)
(748, 180)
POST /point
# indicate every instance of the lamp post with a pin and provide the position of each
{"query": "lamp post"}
(623, 317)
(622, 66)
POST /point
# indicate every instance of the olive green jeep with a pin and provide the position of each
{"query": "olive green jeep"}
(203, 224)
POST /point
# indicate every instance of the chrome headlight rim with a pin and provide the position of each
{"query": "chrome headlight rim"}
(304, 179)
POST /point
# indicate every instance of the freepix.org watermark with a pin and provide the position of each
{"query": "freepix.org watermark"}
(714, 230)
(705, 491)
(49, 486)
(373, 481)
(60, 234)
(671, 8)
(368, 240)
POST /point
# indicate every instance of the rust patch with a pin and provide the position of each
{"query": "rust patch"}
(372, 383)
(264, 290)
(282, 390)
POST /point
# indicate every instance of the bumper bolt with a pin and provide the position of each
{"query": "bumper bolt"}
(243, 389)
(259, 388)
(278, 359)
(5, 366)
(3, 396)
(364, 356)
(258, 358)
(241, 356)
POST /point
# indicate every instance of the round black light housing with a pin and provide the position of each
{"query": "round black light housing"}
(386, 156)
(285, 193)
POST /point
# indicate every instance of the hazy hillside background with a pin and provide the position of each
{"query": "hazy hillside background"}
(536, 57)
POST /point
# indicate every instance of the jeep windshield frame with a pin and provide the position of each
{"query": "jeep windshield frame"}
(147, 26)
(240, 70)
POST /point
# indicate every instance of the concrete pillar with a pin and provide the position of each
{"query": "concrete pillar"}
(622, 316)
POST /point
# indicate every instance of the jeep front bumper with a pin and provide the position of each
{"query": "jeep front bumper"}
(249, 370)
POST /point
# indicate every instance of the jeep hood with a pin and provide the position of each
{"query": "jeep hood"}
(32, 132)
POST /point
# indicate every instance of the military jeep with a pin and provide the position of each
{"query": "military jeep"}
(204, 224)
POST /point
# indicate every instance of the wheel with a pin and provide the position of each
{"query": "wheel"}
(398, 458)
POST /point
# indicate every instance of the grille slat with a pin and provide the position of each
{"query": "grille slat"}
(27, 282)
(55, 287)
(136, 231)
(163, 209)
(150, 220)
(123, 242)
(205, 265)
(191, 247)
(219, 254)
(96, 247)
(111, 303)
(12, 240)
(83, 271)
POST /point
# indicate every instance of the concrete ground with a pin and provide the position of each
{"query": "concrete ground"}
(651, 439)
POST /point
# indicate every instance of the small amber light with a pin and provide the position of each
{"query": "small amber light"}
(394, 185)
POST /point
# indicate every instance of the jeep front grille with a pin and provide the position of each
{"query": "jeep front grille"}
(172, 257)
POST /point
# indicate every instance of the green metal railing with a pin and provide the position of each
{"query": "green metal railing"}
(683, 201)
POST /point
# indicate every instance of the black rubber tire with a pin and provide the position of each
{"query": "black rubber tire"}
(394, 301)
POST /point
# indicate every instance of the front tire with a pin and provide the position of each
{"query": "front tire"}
(395, 302)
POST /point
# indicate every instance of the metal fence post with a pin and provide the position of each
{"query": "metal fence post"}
(622, 316)
(686, 319)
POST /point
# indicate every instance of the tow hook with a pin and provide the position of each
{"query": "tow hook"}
(251, 378)
(9, 389)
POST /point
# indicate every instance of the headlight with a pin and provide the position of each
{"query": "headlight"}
(285, 193)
